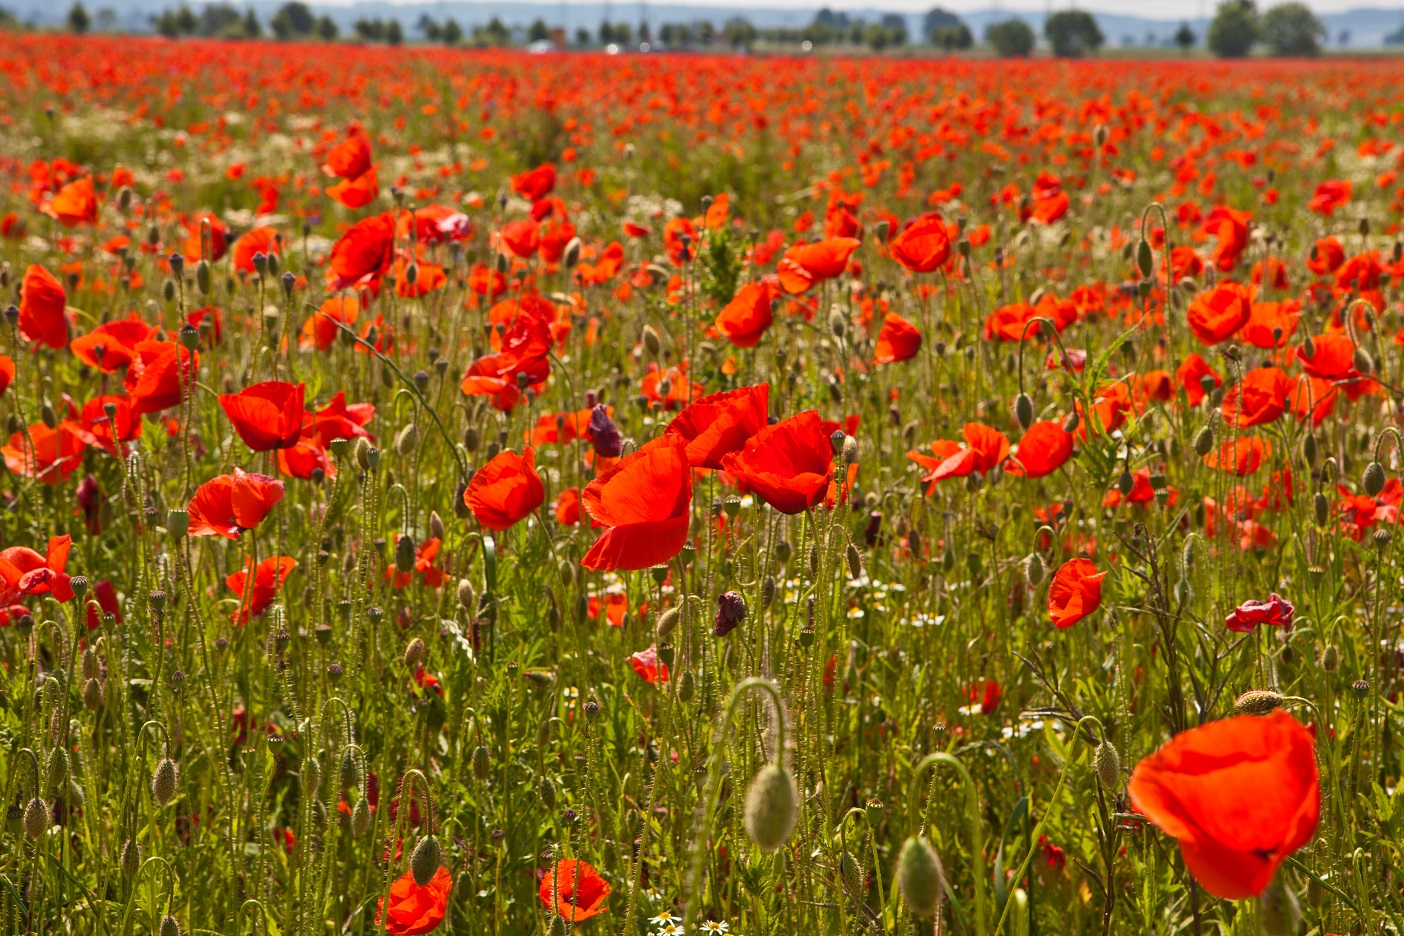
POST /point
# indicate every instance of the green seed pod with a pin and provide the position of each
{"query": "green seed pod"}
(547, 790)
(668, 621)
(1279, 914)
(1108, 765)
(424, 861)
(1024, 410)
(36, 818)
(177, 523)
(164, 780)
(482, 763)
(920, 877)
(1145, 261)
(404, 554)
(169, 926)
(772, 804)
(1322, 508)
(361, 818)
(1204, 441)
(1373, 480)
(1257, 702)
(855, 561)
(129, 859)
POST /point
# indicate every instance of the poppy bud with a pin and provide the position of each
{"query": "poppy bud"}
(1034, 570)
(855, 561)
(814, 560)
(1322, 508)
(482, 763)
(467, 600)
(1145, 262)
(1108, 766)
(851, 874)
(850, 450)
(471, 439)
(1125, 482)
(1024, 410)
(668, 621)
(164, 780)
(685, 686)
(571, 255)
(92, 694)
(48, 415)
(1257, 702)
(502, 262)
(1184, 592)
(350, 770)
(768, 591)
(1204, 441)
(414, 653)
(1363, 362)
(406, 439)
(424, 861)
(782, 552)
(436, 525)
(920, 877)
(772, 804)
(177, 263)
(169, 926)
(311, 775)
(882, 229)
(57, 768)
(1071, 423)
(731, 611)
(360, 818)
(547, 790)
(129, 859)
(202, 277)
(651, 342)
(404, 554)
(1310, 452)
(838, 324)
(1279, 914)
(1331, 658)
(1373, 480)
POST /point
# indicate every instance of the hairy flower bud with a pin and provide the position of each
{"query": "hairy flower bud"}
(424, 861)
(36, 818)
(920, 877)
(164, 780)
(772, 804)
(1257, 702)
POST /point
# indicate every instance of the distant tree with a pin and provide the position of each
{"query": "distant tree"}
(453, 33)
(1233, 30)
(582, 36)
(538, 31)
(1342, 37)
(394, 32)
(325, 28)
(645, 31)
(706, 32)
(1011, 38)
(951, 37)
(1395, 38)
(493, 34)
(220, 20)
(1291, 29)
(78, 19)
(740, 33)
(8, 19)
(369, 30)
(293, 20)
(1073, 33)
(1185, 37)
(937, 18)
(429, 28)
(896, 26)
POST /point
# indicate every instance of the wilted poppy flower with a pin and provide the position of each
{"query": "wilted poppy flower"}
(42, 317)
(24, 572)
(1075, 592)
(1217, 313)
(922, 245)
(1042, 451)
(731, 612)
(76, 203)
(1275, 612)
(574, 891)
(898, 340)
(505, 490)
(267, 415)
(645, 501)
(268, 578)
(746, 317)
(1239, 794)
(416, 910)
(111, 346)
(1259, 398)
(720, 423)
(788, 465)
(47, 455)
(228, 504)
(603, 433)
(647, 665)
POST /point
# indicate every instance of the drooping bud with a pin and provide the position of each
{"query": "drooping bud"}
(482, 763)
(164, 780)
(920, 877)
(1372, 482)
(129, 859)
(1257, 702)
(668, 621)
(854, 560)
(1024, 410)
(424, 861)
(360, 818)
(1034, 570)
(772, 804)
(414, 653)
(1108, 766)
(36, 818)
(1204, 441)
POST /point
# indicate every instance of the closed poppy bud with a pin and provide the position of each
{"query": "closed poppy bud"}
(1071, 423)
(482, 763)
(202, 277)
(772, 804)
(1125, 483)
(436, 525)
(1034, 570)
(169, 926)
(57, 769)
(1310, 452)
(1279, 914)
(1108, 766)
(1024, 410)
(668, 621)
(129, 859)
(1322, 508)
(855, 561)
(882, 229)
(414, 653)
(1183, 592)
(471, 439)
(686, 686)
(164, 780)
(467, 599)
(768, 591)
(1373, 480)
(1331, 658)
(360, 818)
(1145, 262)
(651, 342)
(407, 439)
(92, 694)
(920, 877)
(36, 818)
(1204, 441)
(547, 791)
(731, 611)
(571, 255)
(404, 554)
(1257, 702)
(311, 775)
(424, 861)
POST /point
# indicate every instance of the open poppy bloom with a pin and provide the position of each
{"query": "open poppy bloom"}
(24, 572)
(47, 455)
(1217, 313)
(267, 415)
(111, 346)
(229, 504)
(1042, 451)
(898, 340)
(416, 910)
(268, 578)
(424, 555)
(535, 183)
(107, 432)
(1242, 456)
(1239, 794)
(42, 316)
(76, 203)
(159, 373)
(259, 240)
(788, 465)
(1259, 398)
(1075, 592)
(363, 254)
(720, 423)
(984, 449)
(747, 316)
(1275, 612)
(922, 245)
(1271, 324)
(7, 372)
(505, 490)
(574, 891)
(803, 265)
(645, 501)
(648, 666)
(1191, 374)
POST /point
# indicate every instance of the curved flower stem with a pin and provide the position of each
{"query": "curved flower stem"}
(972, 818)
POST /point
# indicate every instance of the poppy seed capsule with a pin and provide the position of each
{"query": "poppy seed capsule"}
(425, 860)
(36, 818)
(177, 522)
(1373, 480)
(1108, 765)
(772, 803)
(1024, 410)
(920, 877)
(1204, 441)
(169, 926)
(164, 780)
(1257, 702)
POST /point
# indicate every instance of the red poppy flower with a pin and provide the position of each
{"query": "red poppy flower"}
(1259, 398)
(1332, 357)
(1190, 376)
(7, 372)
(984, 695)
(922, 245)
(984, 449)
(268, 578)
(748, 315)
(1326, 256)
(424, 555)
(76, 203)
(349, 158)
(1271, 324)
(106, 596)
(720, 423)
(42, 317)
(111, 346)
(106, 432)
(647, 665)
(155, 381)
(1330, 195)
(264, 240)
(505, 490)
(1042, 451)
(574, 891)
(356, 192)
(788, 465)
(803, 265)
(363, 254)
(535, 183)
(645, 502)
(47, 455)
(898, 340)
(1230, 227)
(320, 331)
(195, 241)
(1075, 592)
(521, 238)
(1239, 794)
(416, 910)
(24, 572)
(228, 504)
(1242, 456)
(1275, 612)
(267, 415)
(341, 420)
(1216, 314)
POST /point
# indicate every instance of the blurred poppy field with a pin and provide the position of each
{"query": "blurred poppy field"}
(484, 493)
